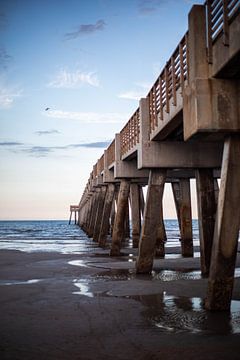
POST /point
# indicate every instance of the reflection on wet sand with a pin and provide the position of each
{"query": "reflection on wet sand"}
(182, 314)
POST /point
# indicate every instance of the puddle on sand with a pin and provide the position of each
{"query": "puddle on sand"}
(19, 282)
(81, 263)
(182, 314)
(162, 275)
(83, 287)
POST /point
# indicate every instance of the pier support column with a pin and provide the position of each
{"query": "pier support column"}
(99, 212)
(206, 215)
(226, 231)
(182, 199)
(119, 222)
(186, 218)
(161, 236)
(142, 201)
(152, 210)
(88, 215)
(93, 212)
(109, 199)
(127, 224)
(135, 210)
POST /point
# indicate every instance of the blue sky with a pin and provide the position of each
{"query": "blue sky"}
(89, 62)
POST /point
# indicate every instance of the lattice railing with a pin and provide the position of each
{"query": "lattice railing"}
(111, 153)
(129, 135)
(164, 90)
(219, 15)
(101, 164)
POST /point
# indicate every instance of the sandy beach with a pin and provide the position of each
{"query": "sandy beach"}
(90, 306)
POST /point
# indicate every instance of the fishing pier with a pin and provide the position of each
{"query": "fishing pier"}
(187, 127)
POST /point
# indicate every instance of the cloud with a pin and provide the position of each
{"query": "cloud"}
(86, 117)
(147, 7)
(7, 97)
(10, 143)
(5, 58)
(86, 29)
(72, 80)
(44, 151)
(47, 132)
(99, 144)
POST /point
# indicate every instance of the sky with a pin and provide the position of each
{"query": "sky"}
(71, 75)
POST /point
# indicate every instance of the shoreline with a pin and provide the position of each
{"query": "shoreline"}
(102, 310)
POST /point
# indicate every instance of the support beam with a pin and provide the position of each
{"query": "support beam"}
(99, 212)
(93, 212)
(206, 215)
(109, 199)
(148, 237)
(119, 222)
(186, 218)
(226, 231)
(161, 236)
(135, 211)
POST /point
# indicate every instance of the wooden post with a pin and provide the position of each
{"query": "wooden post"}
(142, 201)
(135, 211)
(182, 199)
(152, 210)
(127, 224)
(118, 228)
(186, 218)
(112, 216)
(93, 212)
(177, 202)
(99, 212)
(109, 200)
(161, 236)
(226, 231)
(75, 217)
(206, 215)
(70, 218)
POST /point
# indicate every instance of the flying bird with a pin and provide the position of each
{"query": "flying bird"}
(47, 109)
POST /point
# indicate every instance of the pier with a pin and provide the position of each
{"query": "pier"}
(187, 127)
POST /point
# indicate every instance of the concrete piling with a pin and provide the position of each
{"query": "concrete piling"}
(206, 215)
(226, 231)
(104, 228)
(152, 210)
(119, 222)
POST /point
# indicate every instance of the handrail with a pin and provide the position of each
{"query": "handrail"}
(165, 88)
(111, 153)
(220, 13)
(101, 164)
(129, 135)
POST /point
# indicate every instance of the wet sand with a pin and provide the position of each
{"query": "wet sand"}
(90, 306)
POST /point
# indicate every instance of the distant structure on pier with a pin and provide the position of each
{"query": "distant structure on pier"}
(74, 209)
(187, 126)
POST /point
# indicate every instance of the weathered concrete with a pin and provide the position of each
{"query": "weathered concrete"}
(105, 223)
(182, 199)
(226, 230)
(99, 212)
(161, 236)
(206, 215)
(135, 211)
(118, 228)
(152, 210)
(94, 207)
(186, 218)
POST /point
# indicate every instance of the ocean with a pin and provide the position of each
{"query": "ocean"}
(58, 236)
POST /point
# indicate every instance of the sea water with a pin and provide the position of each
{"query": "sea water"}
(59, 236)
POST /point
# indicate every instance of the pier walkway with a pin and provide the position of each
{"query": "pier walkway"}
(187, 126)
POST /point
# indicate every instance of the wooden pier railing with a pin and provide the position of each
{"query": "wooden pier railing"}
(165, 88)
(129, 135)
(111, 153)
(220, 13)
